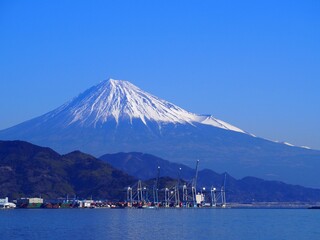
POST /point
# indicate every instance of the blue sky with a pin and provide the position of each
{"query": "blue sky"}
(254, 64)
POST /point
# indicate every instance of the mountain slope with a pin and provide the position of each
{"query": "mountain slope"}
(28, 170)
(116, 116)
(248, 189)
(114, 101)
(145, 166)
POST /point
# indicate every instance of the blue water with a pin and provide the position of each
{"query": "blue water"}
(154, 224)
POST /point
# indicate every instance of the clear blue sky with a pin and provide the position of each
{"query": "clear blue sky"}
(254, 64)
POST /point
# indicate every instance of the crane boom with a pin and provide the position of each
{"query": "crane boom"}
(196, 175)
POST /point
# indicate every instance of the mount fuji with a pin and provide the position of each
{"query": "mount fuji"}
(116, 116)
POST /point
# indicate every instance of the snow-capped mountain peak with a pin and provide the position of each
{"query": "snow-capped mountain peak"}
(116, 116)
(121, 100)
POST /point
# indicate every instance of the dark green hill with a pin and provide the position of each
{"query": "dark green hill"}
(27, 170)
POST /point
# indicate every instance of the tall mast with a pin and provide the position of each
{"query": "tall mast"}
(224, 201)
(178, 188)
(157, 186)
(196, 177)
(194, 185)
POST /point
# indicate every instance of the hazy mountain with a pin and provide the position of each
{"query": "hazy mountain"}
(116, 116)
(248, 189)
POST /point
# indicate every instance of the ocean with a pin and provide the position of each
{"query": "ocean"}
(226, 224)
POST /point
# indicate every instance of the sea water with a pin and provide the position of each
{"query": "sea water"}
(154, 224)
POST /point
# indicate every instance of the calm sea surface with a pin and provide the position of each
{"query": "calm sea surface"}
(160, 224)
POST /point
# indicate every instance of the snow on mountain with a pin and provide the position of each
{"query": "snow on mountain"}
(288, 144)
(118, 100)
(306, 147)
